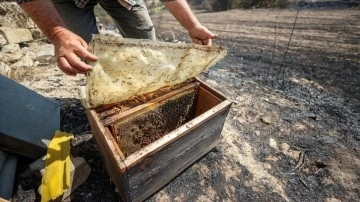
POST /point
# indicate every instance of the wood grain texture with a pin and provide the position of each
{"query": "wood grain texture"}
(212, 91)
(139, 109)
(157, 169)
(205, 101)
(113, 159)
(148, 169)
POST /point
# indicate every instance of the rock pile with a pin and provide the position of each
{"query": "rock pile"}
(25, 52)
(22, 45)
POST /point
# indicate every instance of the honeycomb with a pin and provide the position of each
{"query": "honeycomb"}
(139, 130)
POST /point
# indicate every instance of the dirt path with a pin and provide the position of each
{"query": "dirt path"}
(293, 133)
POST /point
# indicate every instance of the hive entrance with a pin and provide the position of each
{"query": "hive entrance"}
(139, 121)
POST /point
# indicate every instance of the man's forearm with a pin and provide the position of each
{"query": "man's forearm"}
(70, 49)
(45, 15)
(182, 12)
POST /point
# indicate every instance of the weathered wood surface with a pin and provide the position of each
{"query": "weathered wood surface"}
(154, 169)
(139, 109)
(148, 169)
(205, 101)
(111, 154)
(112, 109)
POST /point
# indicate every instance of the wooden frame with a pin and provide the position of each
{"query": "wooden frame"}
(144, 172)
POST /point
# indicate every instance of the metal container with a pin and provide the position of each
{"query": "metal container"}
(28, 121)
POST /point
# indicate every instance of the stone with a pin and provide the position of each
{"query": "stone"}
(293, 154)
(30, 24)
(15, 35)
(5, 70)
(267, 120)
(18, 64)
(2, 41)
(11, 53)
(46, 53)
(37, 166)
(36, 63)
(28, 51)
(284, 147)
(37, 33)
(273, 143)
(10, 48)
(14, 16)
(25, 61)
(331, 199)
(318, 87)
(3, 10)
(10, 58)
(79, 172)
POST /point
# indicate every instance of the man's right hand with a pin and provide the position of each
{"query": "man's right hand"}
(70, 49)
(71, 52)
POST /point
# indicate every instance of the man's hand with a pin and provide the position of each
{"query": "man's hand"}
(71, 52)
(182, 12)
(201, 35)
(70, 49)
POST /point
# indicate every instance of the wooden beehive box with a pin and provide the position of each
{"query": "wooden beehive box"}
(145, 145)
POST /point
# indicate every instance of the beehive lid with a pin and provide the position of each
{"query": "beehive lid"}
(130, 67)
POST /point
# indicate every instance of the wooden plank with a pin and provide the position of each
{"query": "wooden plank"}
(113, 160)
(106, 135)
(139, 99)
(152, 183)
(205, 101)
(139, 109)
(211, 90)
(108, 112)
(156, 169)
(157, 145)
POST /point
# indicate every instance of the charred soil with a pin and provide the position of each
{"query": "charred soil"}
(293, 133)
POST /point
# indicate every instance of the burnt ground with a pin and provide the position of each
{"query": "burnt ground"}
(293, 133)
